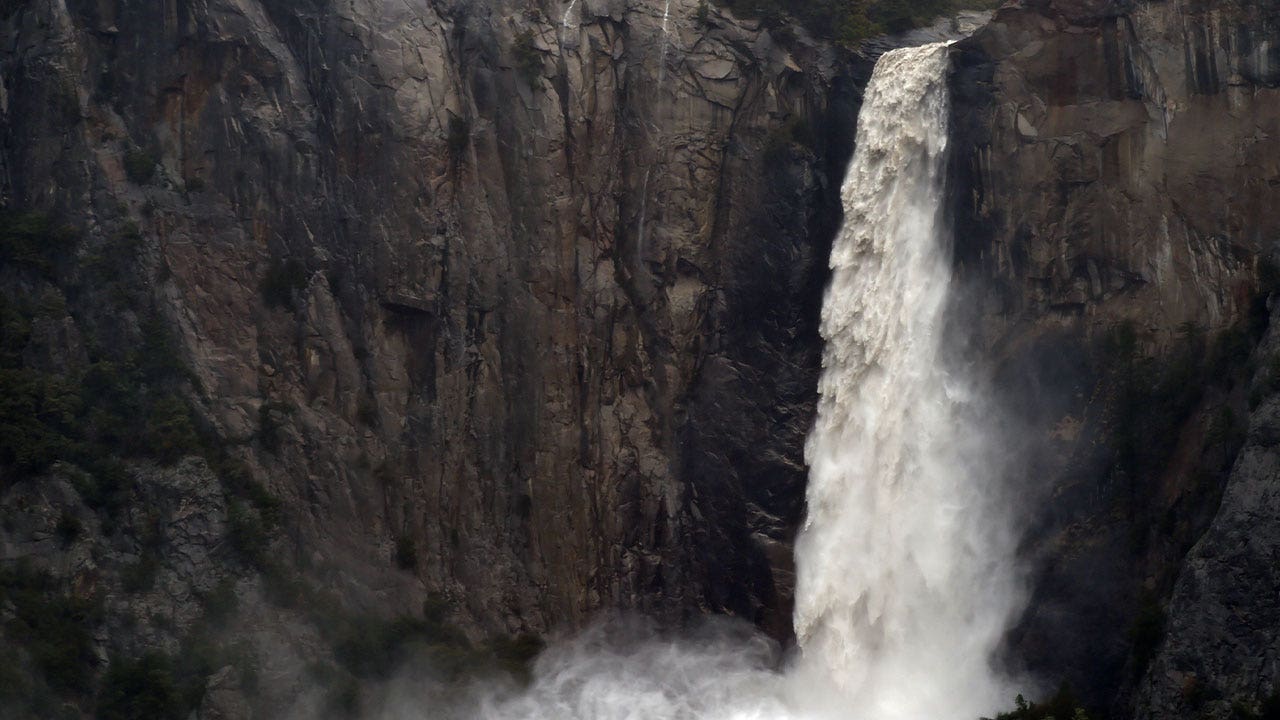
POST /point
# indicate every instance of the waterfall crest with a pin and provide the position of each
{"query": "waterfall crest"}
(905, 582)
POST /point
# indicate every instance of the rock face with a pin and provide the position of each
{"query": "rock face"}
(529, 292)
(1119, 161)
(1222, 646)
(515, 305)
(180, 509)
(1114, 177)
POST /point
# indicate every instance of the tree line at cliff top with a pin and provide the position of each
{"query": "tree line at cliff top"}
(853, 20)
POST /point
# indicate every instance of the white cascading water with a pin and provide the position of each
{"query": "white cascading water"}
(666, 43)
(905, 574)
(905, 577)
(658, 141)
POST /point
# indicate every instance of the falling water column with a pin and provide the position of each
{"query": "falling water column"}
(905, 575)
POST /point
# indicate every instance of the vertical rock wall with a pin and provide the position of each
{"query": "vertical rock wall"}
(529, 288)
(1115, 180)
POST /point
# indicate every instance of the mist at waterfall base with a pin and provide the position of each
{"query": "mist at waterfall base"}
(906, 581)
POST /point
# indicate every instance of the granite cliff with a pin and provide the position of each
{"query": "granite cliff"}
(1114, 189)
(493, 315)
(503, 310)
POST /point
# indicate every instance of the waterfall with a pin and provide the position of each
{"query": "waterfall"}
(665, 44)
(564, 22)
(905, 577)
(568, 37)
(905, 580)
(658, 139)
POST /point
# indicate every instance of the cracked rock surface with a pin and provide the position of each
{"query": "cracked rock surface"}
(532, 289)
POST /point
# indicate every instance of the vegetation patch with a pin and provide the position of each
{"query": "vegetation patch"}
(52, 628)
(1266, 709)
(849, 21)
(528, 58)
(248, 534)
(86, 415)
(795, 134)
(170, 431)
(140, 166)
(239, 483)
(284, 282)
(271, 420)
(373, 647)
(143, 687)
(156, 685)
(31, 240)
(111, 269)
(41, 420)
(90, 416)
(406, 554)
(1062, 705)
(124, 398)
(370, 647)
(221, 602)
(459, 137)
(68, 529)
(140, 576)
(1151, 398)
(1147, 632)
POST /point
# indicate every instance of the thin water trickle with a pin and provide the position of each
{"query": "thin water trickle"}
(567, 42)
(665, 43)
(657, 141)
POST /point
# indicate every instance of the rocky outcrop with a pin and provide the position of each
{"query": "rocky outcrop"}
(1114, 176)
(1222, 640)
(168, 553)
